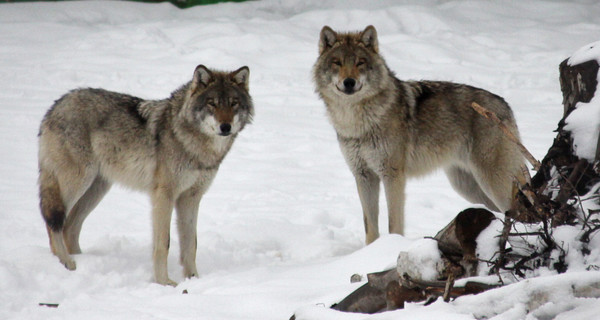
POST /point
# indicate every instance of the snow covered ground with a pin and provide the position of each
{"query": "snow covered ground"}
(281, 228)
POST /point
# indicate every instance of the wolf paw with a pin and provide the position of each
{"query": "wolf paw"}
(70, 265)
(167, 282)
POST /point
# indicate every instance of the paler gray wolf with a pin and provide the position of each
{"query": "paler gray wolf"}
(390, 130)
(171, 148)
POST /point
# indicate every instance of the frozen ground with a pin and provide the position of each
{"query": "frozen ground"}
(281, 228)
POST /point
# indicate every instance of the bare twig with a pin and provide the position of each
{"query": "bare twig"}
(448, 288)
(587, 219)
(501, 260)
(585, 238)
(492, 116)
(524, 234)
(572, 181)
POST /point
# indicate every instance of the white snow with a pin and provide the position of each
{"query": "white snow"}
(584, 125)
(488, 244)
(281, 228)
(586, 53)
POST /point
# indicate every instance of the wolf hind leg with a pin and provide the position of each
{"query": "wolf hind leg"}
(82, 208)
(467, 186)
(54, 214)
(500, 183)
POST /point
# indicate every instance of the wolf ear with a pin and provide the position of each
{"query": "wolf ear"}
(202, 77)
(242, 77)
(369, 38)
(328, 38)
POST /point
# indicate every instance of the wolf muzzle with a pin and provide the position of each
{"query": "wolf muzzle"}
(349, 86)
(225, 129)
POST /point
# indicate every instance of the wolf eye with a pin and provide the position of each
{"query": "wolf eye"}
(361, 62)
(336, 61)
(210, 102)
(234, 103)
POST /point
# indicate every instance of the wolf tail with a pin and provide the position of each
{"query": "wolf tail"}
(54, 213)
(51, 204)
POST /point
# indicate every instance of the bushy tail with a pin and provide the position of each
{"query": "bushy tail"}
(54, 213)
(51, 204)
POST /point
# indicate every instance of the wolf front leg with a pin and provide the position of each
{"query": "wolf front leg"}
(187, 218)
(162, 208)
(367, 183)
(394, 186)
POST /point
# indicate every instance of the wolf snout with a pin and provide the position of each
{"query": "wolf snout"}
(225, 129)
(349, 86)
(349, 83)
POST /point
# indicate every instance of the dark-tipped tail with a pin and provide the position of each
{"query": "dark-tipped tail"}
(51, 204)
(54, 213)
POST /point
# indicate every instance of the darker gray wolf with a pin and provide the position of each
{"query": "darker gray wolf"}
(171, 148)
(390, 130)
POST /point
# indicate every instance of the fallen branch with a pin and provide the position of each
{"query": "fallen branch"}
(492, 116)
(366, 299)
(384, 292)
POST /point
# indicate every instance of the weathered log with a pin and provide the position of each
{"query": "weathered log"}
(397, 295)
(578, 84)
(561, 169)
(366, 299)
(381, 279)
(555, 190)
(370, 298)
(373, 296)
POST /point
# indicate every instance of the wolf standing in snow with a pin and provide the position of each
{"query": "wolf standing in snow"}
(170, 148)
(390, 129)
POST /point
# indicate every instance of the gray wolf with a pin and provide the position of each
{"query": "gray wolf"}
(171, 149)
(390, 130)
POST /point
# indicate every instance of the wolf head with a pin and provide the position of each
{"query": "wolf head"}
(349, 63)
(220, 101)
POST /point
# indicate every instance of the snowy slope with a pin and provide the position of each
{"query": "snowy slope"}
(281, 228)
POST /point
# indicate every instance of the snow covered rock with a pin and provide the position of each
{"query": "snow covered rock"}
(421, 261)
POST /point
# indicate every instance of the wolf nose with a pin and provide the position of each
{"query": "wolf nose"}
(349, 83)
(225, 129)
